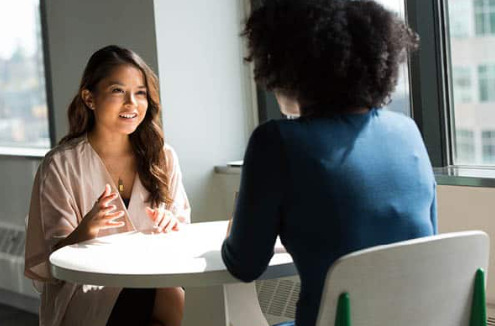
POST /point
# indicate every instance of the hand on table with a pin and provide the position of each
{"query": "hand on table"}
(165, 220)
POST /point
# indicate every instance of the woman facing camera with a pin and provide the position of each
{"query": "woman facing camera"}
(346, 174)
(112, 173)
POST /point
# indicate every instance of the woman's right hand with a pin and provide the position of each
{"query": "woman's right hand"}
(103, 215)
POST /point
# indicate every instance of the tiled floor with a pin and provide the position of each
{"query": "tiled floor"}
(13, 317)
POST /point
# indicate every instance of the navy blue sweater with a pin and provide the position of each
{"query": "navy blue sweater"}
(327, 187)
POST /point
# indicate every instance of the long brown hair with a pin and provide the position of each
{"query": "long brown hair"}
(147, 140)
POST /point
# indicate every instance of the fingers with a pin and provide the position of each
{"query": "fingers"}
(110, 222)
(105, 200)
(177, 225)
(151, 213)
(172, 226)
(112, 225)
(108, 209)
(164, 221)
(106, 192)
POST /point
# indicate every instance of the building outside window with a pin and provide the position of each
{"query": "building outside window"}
(473, 79)
(484, 16)
(463, 84)
(23, 103)
(488, 141)
(465, 146)
(462, 18)
(486, 77)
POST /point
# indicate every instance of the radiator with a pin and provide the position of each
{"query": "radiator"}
(13, 285)
(278, 298)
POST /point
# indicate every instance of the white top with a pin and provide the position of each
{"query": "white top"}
(190, 257)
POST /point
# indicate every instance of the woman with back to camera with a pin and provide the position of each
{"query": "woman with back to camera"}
(346, 174)
(111, 168)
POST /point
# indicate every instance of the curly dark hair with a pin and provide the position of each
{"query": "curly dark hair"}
(341, 53)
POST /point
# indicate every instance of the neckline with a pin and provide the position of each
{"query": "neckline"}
(109, 177)
(311, 108)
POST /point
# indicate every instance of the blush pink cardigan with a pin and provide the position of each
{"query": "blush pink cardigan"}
(69, 180)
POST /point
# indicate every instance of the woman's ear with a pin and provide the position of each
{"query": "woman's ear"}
(87, 98)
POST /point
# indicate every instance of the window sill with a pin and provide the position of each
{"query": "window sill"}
(227, 169)
(35, 153)
(475, 176)
(446, 176)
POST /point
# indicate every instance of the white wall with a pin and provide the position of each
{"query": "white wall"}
(469, 208)
(205, 94)
(77, 28)
(16, 175)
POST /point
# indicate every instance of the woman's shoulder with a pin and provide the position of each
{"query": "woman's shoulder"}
(65, 152)
(395, 118)
(171, 157)
(270, 128)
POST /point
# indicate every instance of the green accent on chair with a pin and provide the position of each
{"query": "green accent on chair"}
(343, 316)
(478, 308)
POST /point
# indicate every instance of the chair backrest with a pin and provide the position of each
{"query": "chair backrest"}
(427, 281)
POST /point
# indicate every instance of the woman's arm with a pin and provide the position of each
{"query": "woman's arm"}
(54, 219)
(248, 249)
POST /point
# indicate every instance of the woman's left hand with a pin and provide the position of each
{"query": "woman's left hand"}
(165, 221)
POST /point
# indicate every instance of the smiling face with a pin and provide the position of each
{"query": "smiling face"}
(119, 102)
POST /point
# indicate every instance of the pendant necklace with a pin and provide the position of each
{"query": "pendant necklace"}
(120, 186)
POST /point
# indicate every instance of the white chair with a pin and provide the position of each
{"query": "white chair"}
(422, 282)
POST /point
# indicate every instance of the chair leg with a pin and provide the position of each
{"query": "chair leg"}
(343, 316)
(478, 308)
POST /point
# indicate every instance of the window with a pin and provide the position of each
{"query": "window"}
(488, 141)
(472, 82)
(463, 85)
(462, 18)
(400, 98)
(484, 16)
(465, 146)
(486, 77)
(23, 103)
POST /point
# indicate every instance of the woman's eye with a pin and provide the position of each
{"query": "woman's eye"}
(142, 93)
(117, 91)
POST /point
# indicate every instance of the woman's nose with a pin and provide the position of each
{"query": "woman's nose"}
(130, 99)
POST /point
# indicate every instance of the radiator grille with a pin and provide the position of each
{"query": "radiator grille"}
(278, 297)
(12, 240)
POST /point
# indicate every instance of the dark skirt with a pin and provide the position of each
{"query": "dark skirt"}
(133, 307)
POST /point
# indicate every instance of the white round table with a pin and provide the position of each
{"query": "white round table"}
(190, 258)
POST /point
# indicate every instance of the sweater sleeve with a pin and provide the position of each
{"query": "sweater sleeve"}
(256, 223)
(52, 216)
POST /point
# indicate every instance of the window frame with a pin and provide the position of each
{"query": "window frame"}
(432, 97)
(27, 152)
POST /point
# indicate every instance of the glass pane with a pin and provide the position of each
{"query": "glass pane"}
(473, 80)
(23, 107)
(400, 98)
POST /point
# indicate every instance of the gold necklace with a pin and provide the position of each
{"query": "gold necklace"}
(120, 186)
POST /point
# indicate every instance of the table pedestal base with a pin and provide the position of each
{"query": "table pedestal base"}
(223, 305)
